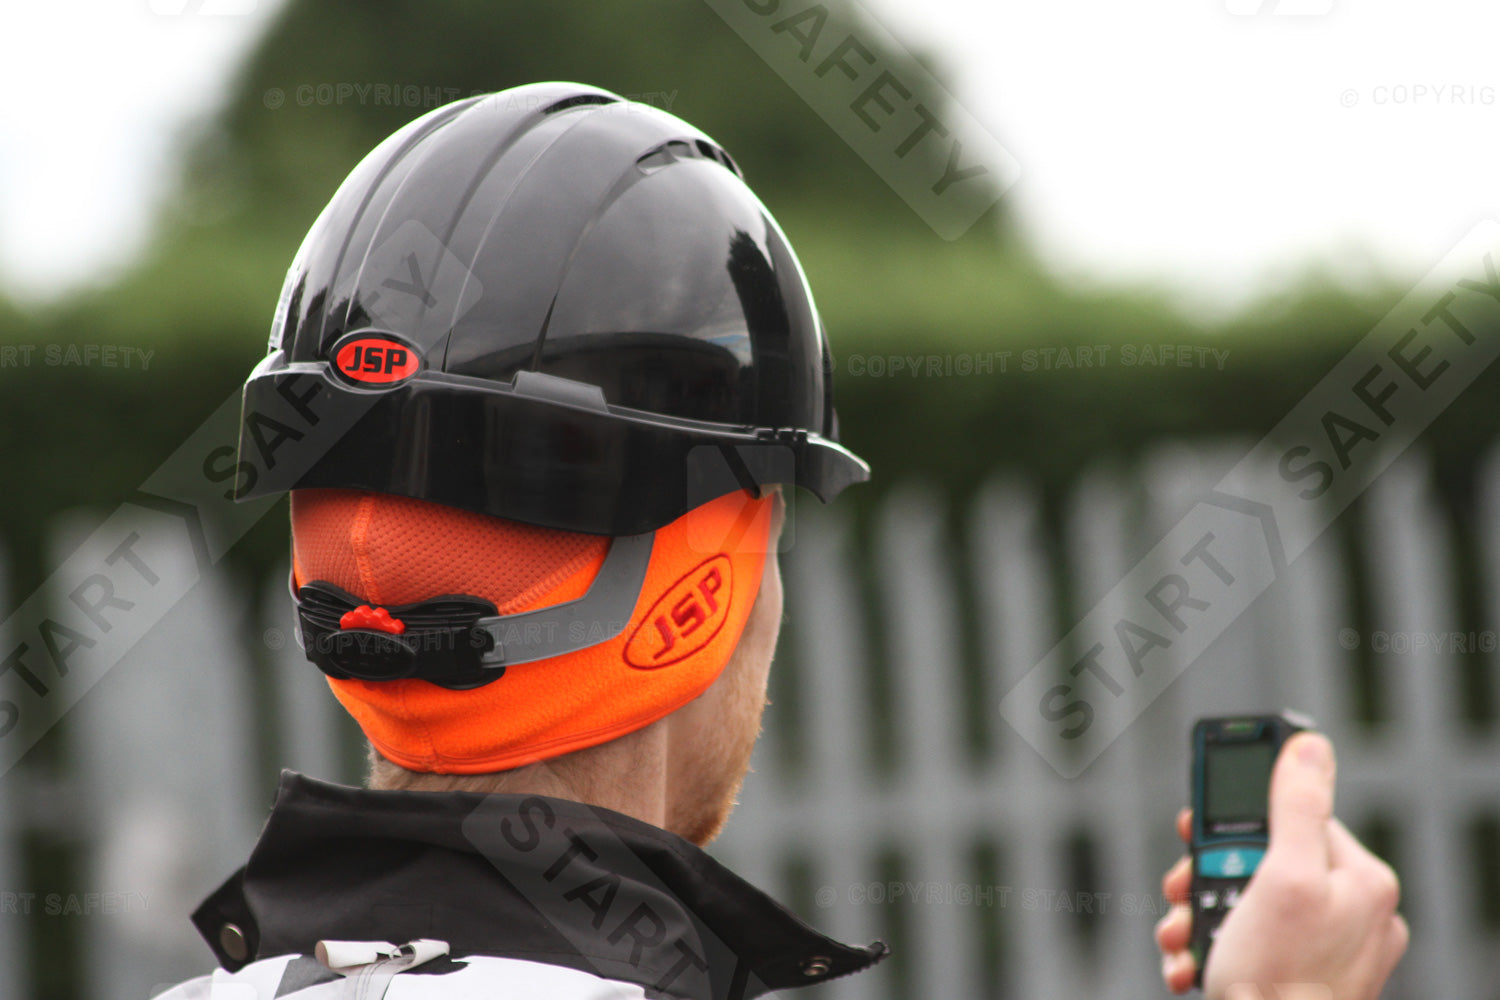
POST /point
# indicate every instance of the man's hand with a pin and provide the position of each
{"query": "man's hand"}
(1318, 916)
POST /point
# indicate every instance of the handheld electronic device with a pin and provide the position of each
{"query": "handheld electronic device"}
(1230, 789)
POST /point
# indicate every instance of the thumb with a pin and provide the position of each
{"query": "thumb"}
(1302, 802)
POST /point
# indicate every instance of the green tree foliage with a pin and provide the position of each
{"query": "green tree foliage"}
(672, 53)
(254, 176)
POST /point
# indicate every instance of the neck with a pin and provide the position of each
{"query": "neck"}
(627, 774)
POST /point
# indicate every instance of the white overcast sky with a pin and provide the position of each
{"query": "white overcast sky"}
(1179, 141)
(92, 93)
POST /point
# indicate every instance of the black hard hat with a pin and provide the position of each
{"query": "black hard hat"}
(551, 305)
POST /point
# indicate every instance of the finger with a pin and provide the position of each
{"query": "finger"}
(1178, 879)
(1178, 971)
(1381, 885)
(1302, 803)
(1185, 824)
(1344, 850)
(1397, 939)
(1174, 931)
(1384, 948)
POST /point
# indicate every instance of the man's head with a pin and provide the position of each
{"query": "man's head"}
(533, 378)
(705, 743)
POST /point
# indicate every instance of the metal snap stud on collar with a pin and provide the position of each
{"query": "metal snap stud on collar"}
(815, 966)
(232, 940)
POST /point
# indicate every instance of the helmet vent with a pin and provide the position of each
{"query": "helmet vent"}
(683, 149)
(578, 101)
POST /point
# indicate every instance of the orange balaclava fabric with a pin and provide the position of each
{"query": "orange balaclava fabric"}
(700, 585)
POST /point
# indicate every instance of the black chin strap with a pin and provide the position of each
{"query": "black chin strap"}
(458, 641)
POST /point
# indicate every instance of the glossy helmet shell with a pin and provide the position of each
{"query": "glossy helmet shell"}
(552, 305)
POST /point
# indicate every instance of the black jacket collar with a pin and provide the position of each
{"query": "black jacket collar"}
(521, 876)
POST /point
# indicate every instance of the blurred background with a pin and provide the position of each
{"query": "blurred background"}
(1216, 201)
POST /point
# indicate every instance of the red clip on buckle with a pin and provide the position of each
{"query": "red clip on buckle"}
(380, 619)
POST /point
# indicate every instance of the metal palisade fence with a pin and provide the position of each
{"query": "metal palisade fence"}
(898, 803)
(890, 798)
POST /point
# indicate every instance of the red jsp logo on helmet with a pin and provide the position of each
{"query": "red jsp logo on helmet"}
(379, 360)
(685, 618)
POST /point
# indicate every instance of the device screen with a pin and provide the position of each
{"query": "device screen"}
(1237, 782)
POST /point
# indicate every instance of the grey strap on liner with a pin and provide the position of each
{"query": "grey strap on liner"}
(598, 616)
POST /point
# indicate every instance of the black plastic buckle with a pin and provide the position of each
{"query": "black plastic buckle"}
(441, 645)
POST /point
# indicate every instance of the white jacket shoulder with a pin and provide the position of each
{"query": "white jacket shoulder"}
(478, 977)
